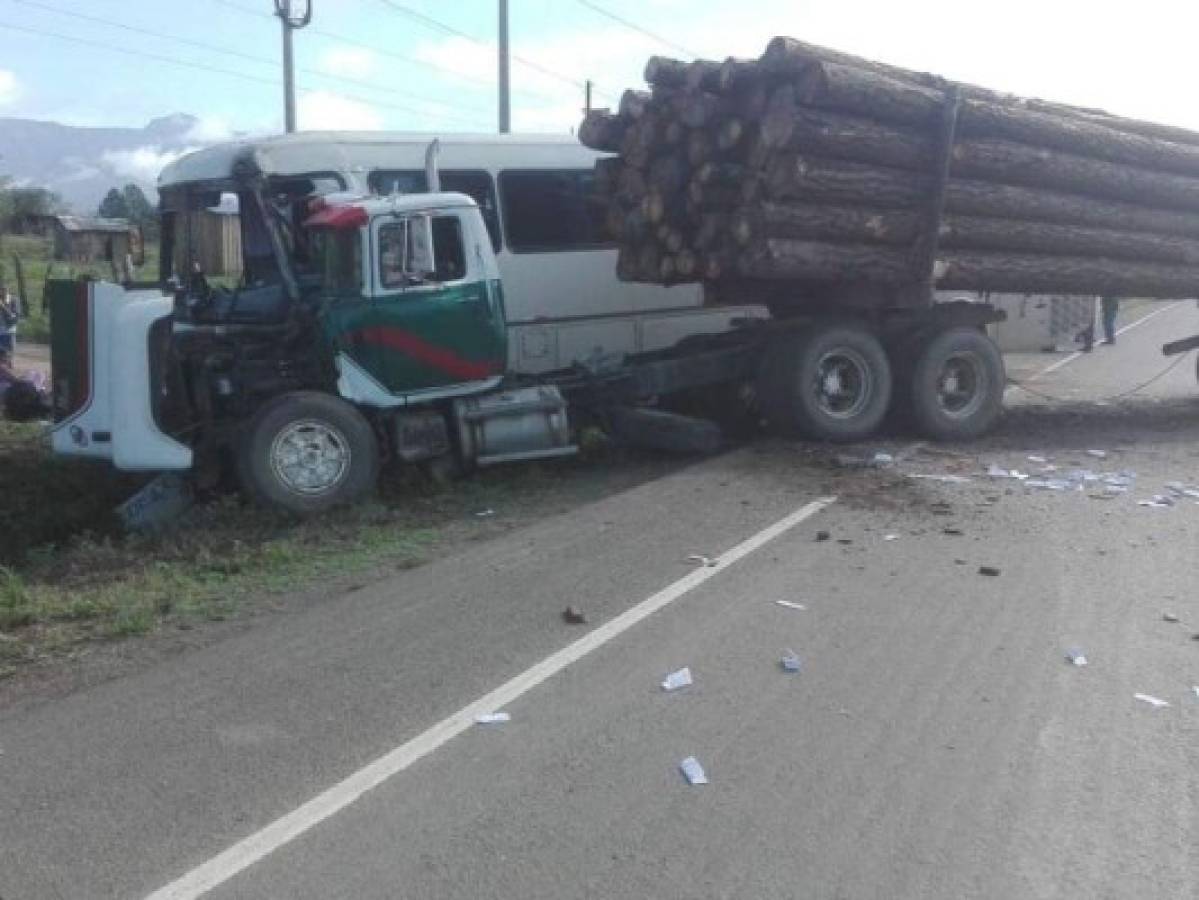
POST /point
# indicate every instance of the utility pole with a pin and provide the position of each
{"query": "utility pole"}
(587, 98)
(293, 15)
(505, 99)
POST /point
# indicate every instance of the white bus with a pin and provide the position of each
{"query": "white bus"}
(563, 300)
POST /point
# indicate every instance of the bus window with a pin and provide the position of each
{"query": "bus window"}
(550, 210)
(475, 183)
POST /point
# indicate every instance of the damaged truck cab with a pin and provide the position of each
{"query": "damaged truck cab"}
(362, 326)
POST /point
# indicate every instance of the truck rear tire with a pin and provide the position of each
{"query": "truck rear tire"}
(829, 382)
(307, 452)
(957, 383)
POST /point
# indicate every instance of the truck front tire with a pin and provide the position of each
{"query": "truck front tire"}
(956, 387)
(307, 452)
(828, 382)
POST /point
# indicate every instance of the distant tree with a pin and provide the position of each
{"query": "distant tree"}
(24, 204)
(113, 206)
(140, 212)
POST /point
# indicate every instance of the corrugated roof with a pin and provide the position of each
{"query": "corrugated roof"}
(93, 223)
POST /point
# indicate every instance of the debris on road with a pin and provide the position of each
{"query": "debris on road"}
(1169, 617)
(1033, 458)
(495, 718)
(943, 479)
(676, 680)
(790, 604)
(1155, 702)
(485, 513)
(1076, 657)
(693, 771)
(1195, 689)
(990, 571)
(882, 459)
(822, 535)
(573, 616)
(1155, 503)
(994, 471)
(706, 561)
(953, 532)
(890, 537)
(790, 661)
(1098, 454)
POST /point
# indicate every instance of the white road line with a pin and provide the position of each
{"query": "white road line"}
(287, 828)
(1129, 327)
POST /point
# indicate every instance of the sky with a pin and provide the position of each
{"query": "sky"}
(430, 65)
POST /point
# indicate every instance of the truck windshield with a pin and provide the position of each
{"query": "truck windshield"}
(339, 256)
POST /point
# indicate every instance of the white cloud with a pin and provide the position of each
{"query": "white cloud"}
(9, 88)
(319, 110)
(347, 62)
(209, 130)
(142, 164)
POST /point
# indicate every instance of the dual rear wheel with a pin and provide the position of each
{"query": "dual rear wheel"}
(835, 382)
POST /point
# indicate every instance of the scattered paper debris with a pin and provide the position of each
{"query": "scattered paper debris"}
(953, 532)
(943, 479)
(702, 560)
(988, 570)
(790, 661)
(1098, 454)
(693, 771)
(495, 718)
(1047, 484)
(676, 680)
(789, 604)
(1155, 702)
(1195, 689)
(890, 537)
(1076, 657)
(574, 616)
(995, 471)
(882, 459)
(485, 513)
(1154, 504)
(1034, 458)
(1169, 617)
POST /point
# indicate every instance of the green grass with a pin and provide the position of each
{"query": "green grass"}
(70, 576)
(36, 261)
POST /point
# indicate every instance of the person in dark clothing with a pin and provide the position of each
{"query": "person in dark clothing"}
(1109, 308)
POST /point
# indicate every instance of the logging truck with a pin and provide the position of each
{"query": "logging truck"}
(373, 319)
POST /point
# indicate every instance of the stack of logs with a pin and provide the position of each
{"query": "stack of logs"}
(812, 166)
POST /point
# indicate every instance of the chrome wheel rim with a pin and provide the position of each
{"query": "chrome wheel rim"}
(310, 457)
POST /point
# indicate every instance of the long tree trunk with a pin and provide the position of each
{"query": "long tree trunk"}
(762, 222)
(602, 131)
(786, 58)
(1027, 274)
(812, 179)
(816, 261)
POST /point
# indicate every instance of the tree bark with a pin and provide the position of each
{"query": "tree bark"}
(602, 131)
(755, 224)
(781, 258)
(666, 72)
(786, 57)
(1007, 161)
(1028, 274)
(633, 104)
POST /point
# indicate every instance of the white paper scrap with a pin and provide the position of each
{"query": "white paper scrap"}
(494, 718)
(1038, 459)
(1098, 454)
(790, 662)
(790, 604)
(944, 479)
(702, 560)
(890, 537)
(676, 680)
(693, 771)
(1076, 657)
(1155, 702)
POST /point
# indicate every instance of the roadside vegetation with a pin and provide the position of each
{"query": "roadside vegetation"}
(70, 576)
(38, 265)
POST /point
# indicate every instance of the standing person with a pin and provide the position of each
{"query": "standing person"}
(1109, 307)
(8, 323)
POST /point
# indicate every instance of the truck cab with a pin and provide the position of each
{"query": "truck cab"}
(366, 327)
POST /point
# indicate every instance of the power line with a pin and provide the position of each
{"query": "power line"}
(385, 51)
(438, 25)
(245, 76)
(635, 27)
(212, 48)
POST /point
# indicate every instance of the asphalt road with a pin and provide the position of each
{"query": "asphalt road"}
(936, 744)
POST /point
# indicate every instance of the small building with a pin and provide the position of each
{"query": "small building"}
(79, 239)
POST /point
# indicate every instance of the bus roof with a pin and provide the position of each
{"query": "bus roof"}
(312, 152)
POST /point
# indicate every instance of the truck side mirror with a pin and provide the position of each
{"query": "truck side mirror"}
(419, 262)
